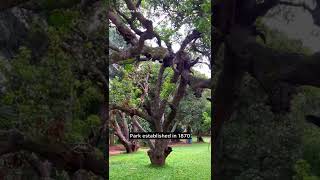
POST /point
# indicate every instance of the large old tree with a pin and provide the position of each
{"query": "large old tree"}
(130, 20)
(234, 36)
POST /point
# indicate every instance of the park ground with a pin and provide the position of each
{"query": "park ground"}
(186, 162)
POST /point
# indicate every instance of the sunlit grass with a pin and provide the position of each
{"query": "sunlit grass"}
(184, 162)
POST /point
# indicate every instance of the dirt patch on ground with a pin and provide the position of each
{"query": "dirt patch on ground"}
(116, 149)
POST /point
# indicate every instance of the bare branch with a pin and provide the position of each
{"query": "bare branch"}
(137, 124)
(194, 35)
(118, 130)
(195, 61)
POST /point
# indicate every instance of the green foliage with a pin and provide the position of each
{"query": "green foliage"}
(253, 124)
(44, 84)
(89, 98)
(127, 87)
(123, 90)
(7, 117)
(63, 20)
(80, 129)
(182, 16)
(195, 112)
(303, 171)
(40, 91)
(307, 102)
(116, 39)
(47, 89)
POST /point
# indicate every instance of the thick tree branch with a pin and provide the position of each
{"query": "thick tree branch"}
(269, 66)
(129, 55)
(194, 35)
(124, 125)
(61, 155)
(175, 102)
(130, 111)
(159, 86)
(147, 24)
(200, 83)
(118, 130)
(135, 13)
(125, 32)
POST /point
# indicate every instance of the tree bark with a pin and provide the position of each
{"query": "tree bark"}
(123, 134)
(199, 139)
(131, 147)
(159, 154)
(225, 93)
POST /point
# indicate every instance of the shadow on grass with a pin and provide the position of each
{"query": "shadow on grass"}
(153, 166)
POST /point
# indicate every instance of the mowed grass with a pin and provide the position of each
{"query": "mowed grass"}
(184, 163)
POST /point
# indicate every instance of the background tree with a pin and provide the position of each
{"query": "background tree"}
(195, 112)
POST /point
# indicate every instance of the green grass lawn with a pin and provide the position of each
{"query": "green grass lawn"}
(184, 162)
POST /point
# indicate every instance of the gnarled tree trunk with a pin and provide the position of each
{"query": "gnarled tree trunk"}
(130, 146)
(199, 139)
(159, 154)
